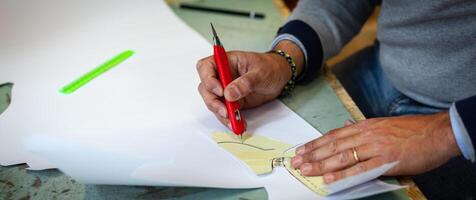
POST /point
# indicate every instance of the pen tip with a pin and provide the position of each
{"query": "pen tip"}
(216, 41)
(213, 28)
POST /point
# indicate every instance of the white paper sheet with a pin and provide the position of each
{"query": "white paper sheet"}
(143, 122)
(359, 178)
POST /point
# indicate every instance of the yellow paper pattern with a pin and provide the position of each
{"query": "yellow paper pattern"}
(256, 151)
(262, 154)
(314, 183)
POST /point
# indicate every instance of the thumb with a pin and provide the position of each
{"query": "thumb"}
(241, 87)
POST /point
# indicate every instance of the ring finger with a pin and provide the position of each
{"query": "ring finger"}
(337, 162)
(332, 148)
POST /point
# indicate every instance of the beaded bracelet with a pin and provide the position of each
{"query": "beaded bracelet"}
(288, 88)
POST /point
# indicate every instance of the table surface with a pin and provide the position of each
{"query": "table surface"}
(316, 103)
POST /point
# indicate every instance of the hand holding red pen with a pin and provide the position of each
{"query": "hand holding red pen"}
(258, 78)
(237, 121)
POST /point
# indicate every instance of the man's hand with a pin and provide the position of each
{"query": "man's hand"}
(259, 78)
(420, 143)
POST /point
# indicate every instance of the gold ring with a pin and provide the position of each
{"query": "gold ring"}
(356, 156)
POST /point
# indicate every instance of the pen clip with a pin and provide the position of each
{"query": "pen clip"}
(237, 115)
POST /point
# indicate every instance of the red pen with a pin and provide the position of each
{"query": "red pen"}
(233, 108)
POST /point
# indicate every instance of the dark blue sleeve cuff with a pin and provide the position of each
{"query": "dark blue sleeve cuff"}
(467, 111)
(311, 42)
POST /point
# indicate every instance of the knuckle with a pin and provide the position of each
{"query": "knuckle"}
(326, 139)
(200, 64)
(333, 146)
(200, 87)
(314, 144)
(341, 174)
(245, 83)
(314, 156)
(332, 133)
(361, 167)
(373, 134)
(368, 133)
(215, 106)
(332, 136)
(344, 157)
(309, 146)
(319, 167)
(209, 85)
(206, 84)
(210, 105)
(234, 56)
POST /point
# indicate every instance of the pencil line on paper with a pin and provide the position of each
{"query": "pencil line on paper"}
(263, 149)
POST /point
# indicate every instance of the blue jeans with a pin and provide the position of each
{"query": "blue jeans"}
(369, 87)
(372, 91)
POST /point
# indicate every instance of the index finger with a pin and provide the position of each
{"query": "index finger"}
(331, 136)
(207, 68)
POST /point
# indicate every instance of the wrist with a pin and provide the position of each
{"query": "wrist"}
(282, 67)
(450, 145)
(290, 84)
(294, 51)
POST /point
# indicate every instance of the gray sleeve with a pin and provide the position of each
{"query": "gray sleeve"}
(336, 22)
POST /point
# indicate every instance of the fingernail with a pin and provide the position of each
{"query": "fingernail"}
(328, 178)
(306, 168)
(217, 91)
(297, 161)
(300, 150)
(229, 126)
(348, 122)
(222, 112)
(233, 93)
